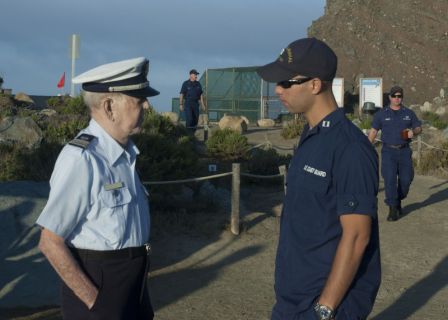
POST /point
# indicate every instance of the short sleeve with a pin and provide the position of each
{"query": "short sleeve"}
(415, 121)
(183, 89)
(376, 122)
(356, 180)
(70, 188)
(200, 89)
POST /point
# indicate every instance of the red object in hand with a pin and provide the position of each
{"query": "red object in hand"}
(61, 82)
(405, 134)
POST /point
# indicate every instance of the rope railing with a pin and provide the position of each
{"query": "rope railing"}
(220, 175)
(235, 195)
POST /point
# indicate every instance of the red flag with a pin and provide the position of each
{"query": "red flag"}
(61, 82)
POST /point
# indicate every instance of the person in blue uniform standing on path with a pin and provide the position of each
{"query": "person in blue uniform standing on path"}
(96, 223)
(398, 125)
(328, 260)
(190, 95)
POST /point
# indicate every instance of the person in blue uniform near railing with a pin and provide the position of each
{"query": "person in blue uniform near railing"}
(328, 259)
(398, 125)
(190, 95)
(96, 223)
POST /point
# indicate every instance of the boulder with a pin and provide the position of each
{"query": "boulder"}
(427, 107)
(48, 112)
(266, 123)
(172, 116)
(441, 111)
(20, 130)
(23, 97)
(236, 123)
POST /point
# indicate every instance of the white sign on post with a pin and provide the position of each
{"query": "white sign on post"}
(371, 90)
(338, 91)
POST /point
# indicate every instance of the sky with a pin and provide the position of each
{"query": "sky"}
(174, 35)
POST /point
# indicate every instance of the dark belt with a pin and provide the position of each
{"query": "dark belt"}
(397, 146)
(131, 252)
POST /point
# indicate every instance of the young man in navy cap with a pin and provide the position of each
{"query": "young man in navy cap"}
(95, 225)
(328, 260)
(398, 125)
(191, 94)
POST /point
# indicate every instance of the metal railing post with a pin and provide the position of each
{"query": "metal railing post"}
(235, 215)
(284, 172)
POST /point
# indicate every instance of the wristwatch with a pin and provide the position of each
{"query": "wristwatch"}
(323, 312)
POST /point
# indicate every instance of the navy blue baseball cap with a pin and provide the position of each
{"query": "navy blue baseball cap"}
(194, 71)
(128, 77)
(307, 57)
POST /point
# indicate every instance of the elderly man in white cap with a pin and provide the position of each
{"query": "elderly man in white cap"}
(95, 225)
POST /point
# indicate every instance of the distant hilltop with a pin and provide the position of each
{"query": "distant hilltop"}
(404, 42)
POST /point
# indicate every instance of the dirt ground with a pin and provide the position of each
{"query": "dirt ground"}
(206, 273)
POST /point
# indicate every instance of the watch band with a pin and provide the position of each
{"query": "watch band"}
(323, 312)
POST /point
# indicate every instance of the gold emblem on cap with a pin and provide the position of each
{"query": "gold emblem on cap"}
(289, 53)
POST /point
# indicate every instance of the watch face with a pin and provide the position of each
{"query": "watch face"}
(324, 313)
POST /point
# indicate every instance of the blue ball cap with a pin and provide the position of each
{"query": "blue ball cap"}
(307, 57)
(127, 76)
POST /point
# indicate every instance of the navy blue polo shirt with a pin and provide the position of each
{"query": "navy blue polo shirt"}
(192, 91)
(392, 122)
(333, 172)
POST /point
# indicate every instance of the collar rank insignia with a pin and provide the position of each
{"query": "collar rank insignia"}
(82, 141)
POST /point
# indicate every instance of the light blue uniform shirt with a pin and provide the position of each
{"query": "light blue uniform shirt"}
(96, 199)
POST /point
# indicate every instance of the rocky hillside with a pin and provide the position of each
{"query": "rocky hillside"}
(405, 42)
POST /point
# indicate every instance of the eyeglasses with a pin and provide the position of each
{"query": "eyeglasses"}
(289, 83)
(398, 96)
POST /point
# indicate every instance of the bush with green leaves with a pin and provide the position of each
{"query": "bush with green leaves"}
(167, 152)
(228, 145)
(68, 105)
(294, 128)
(366, 123)
(20, 163)
(435, 120)
(266, 161)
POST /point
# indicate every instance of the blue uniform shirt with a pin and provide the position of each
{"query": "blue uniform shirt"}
(391, 123)
(333, 172)
(192, 91)
(96, 199)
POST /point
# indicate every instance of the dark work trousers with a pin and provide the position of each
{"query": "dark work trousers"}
(310, 314)
(398, 172)
(119, 282)
(191, 115)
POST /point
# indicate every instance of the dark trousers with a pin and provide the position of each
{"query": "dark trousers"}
(310, 314)
(191, 115)
(119, 282)
(398, 172)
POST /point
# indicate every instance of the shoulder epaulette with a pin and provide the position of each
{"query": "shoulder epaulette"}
(82, 141)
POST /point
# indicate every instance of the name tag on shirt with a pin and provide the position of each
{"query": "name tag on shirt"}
(113, 186)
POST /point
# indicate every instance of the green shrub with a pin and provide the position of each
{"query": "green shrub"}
(228, 145)
(366, 123)
(167, 152)
(68, 105)
(430, 116)
(62, 128)
(440, 124)
(20, 163)
(350, 116)
(294, 128)
(266, 162)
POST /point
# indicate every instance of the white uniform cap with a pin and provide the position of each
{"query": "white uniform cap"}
(127, 76)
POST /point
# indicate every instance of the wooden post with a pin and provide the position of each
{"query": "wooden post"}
(283, 171)
(235, 215)
(419, 150)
